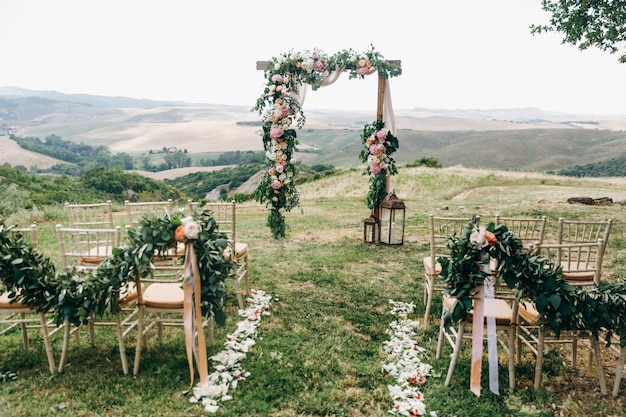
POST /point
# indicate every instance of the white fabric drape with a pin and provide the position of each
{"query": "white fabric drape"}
(388, 114)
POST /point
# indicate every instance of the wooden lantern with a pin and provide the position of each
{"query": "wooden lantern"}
(392, 214)
(371, 229)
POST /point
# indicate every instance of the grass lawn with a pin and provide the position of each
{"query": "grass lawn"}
(319, 353)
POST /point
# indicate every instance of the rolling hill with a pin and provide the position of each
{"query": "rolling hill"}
(511, 139)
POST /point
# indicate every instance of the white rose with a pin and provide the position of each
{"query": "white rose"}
(191, 230)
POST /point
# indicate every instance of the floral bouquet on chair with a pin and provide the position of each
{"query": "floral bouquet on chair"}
(467, 266)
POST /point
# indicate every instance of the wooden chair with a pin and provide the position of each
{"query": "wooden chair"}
(576, 231)
(135, 211)
(225, 217)
(98, 215)
(84, 249)
(505, 313)
(582, 265)
(14, 314)
(160, 303)
(530, 230)
(440, 228)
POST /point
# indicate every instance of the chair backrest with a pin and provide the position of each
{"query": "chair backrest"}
(224, 215)
(581, 261)
(530, 230)
(90, 215)
(135, 211)
(440, 229)
(28, 233)
(170, 271)
(572, 231)
(85, 247)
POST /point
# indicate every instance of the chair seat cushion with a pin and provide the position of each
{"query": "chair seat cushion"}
(240, 248)
(503, 311)
(164, 295)
(128, 294)
(528, 311)
(5, 303)
(428, 266)
(578, 276)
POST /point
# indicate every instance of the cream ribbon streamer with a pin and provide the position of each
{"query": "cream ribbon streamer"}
(484, 307)
(192, 313)
(477, 339)
(492, 341)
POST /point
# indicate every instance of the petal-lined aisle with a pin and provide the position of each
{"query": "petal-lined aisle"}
(404, 364)
(228, 369)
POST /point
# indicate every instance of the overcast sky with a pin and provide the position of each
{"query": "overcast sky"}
(456, 54)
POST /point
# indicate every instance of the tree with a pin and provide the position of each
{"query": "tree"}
(587, 23)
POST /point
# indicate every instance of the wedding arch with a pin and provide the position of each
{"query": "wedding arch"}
(280, 105)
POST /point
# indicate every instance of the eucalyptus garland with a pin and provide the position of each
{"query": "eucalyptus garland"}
(279, 106)
(76, 295)
(534, 278)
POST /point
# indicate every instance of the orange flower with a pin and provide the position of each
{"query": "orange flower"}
(271, 171)
(490, 238)
(361, 63)
(179, 234)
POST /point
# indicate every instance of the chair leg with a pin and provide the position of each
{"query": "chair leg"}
(120, 341)
(440, 338)
(66, 343)
(247, 276)
(428, 293)
(619, 372)
(574, 352)
(595, 345)
(512, 355)
(92, 331)
(455, 354)
(539, 359)
(24, 331)
(47, 344)
(140, 338)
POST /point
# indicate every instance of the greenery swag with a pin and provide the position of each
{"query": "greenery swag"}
(561, 306)
(31, 278)
(279, 107)
(378, 146)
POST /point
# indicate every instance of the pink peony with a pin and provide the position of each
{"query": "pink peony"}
(276, 132)
(373, 149)
(320, 65)
(277, 78)
(381, 135)
(375, 169)
(276, 184)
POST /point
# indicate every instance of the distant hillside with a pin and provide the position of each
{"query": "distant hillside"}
(509, 139)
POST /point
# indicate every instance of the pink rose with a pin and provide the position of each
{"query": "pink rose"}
(321, 65)
(381, 135)
(375, 169)
(277, 78)
(373, 149)
(276, 184)
(276, 132)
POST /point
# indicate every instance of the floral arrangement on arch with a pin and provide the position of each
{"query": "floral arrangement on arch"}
(279, 107)
(378, 148)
